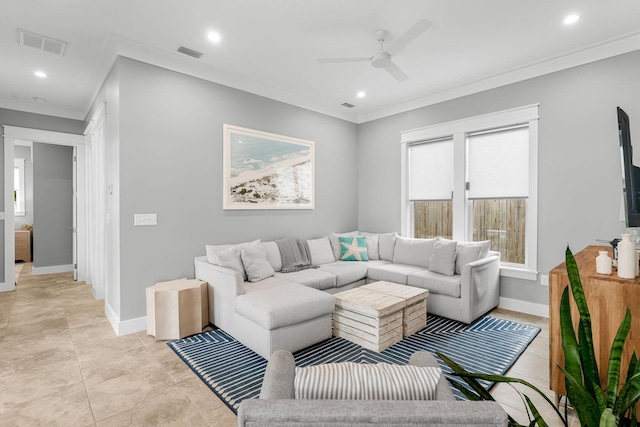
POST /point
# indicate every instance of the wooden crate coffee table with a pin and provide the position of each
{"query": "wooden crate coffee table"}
(414, 315)
(368, 318)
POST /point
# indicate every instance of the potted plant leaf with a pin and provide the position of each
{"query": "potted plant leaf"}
(595, 404)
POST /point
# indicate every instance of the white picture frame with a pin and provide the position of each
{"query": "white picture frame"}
(263, 170)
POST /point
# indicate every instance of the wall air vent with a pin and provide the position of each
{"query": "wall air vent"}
(346, 104)
(190, 52)
(47, 44)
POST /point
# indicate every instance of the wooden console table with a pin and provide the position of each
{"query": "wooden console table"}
(608, 298)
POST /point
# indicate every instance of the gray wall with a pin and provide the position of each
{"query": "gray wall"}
(53, 202)
(579, 162)
(34, 121)
(170, 163)
(25, 153)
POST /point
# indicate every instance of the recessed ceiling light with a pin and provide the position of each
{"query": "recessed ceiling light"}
(361, 94)
(571, 19)
(40, 74)
(213, 36)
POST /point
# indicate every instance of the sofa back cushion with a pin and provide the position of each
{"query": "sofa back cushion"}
(413, 251)
(320, 251)
(355, 381)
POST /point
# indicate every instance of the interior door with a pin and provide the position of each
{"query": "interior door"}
(53, 233)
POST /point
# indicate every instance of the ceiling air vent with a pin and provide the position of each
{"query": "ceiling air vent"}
(346, 104)
(47, 44)
(190, 52)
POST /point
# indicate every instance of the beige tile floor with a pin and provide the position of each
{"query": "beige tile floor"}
(62, 364)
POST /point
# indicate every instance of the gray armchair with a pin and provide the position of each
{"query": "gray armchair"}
(277, 406)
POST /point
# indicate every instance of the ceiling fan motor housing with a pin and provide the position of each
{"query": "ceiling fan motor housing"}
(381, 60)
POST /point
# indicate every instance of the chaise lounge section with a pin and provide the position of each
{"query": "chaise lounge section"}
(252, 299)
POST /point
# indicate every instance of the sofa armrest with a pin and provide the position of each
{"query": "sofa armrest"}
(480, 287)
(426, 359)
(279, 376)
(434, 413)
(224, 286)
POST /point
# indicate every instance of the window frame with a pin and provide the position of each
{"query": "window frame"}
(461, 216)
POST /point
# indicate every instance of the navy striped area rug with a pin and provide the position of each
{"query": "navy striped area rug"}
(234, 373)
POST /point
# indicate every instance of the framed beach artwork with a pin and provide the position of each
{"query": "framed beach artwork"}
(266, 171)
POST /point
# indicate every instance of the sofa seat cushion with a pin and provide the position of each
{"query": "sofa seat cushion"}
(346, 271)
(436, 283)
(311, 277)
(283, 304)
(396, 273)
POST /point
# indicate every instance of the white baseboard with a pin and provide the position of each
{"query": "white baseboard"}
(126, 327)
(7, 288)
(35, 271)
(526, 307)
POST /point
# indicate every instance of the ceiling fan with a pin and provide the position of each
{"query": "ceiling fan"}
(382, 58)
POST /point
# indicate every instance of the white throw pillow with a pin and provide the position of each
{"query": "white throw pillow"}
(211, 250)
(355, 381)
(334, 238)
(443, 260)
(372, 245)
(230, 258)
(466, 254)
(256, 264)
(320, 251)
(413, 251)
(386, 245)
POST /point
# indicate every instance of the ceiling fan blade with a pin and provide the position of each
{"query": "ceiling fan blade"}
(420, 27)
(336, 60)
(396, 72)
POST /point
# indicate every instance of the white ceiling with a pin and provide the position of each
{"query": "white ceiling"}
(271, 47)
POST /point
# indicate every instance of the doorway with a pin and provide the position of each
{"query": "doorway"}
(21, 136)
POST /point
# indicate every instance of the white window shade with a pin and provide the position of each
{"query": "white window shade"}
(498, 164)
(431, 170)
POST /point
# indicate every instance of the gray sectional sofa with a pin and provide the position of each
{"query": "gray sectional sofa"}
(277, 405)
(267, 310)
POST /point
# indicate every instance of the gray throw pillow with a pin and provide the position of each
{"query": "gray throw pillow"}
(466, 254)
(443, 260)
(230, 258)
(256, 264)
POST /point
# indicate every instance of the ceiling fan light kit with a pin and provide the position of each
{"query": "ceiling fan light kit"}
(382, 58)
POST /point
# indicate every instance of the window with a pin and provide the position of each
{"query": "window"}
(18, 187)
(476, 179)
(431, 188)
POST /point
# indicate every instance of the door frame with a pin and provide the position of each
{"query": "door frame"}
(22, 136)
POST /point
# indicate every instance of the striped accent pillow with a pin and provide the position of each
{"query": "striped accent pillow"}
(355, 381)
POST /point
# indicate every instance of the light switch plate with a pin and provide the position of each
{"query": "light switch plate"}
(544, 280)
(145, 219)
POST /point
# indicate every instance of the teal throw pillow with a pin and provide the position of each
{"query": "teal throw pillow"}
(353, 249)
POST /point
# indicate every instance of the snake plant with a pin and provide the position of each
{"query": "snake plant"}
(595, 404)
